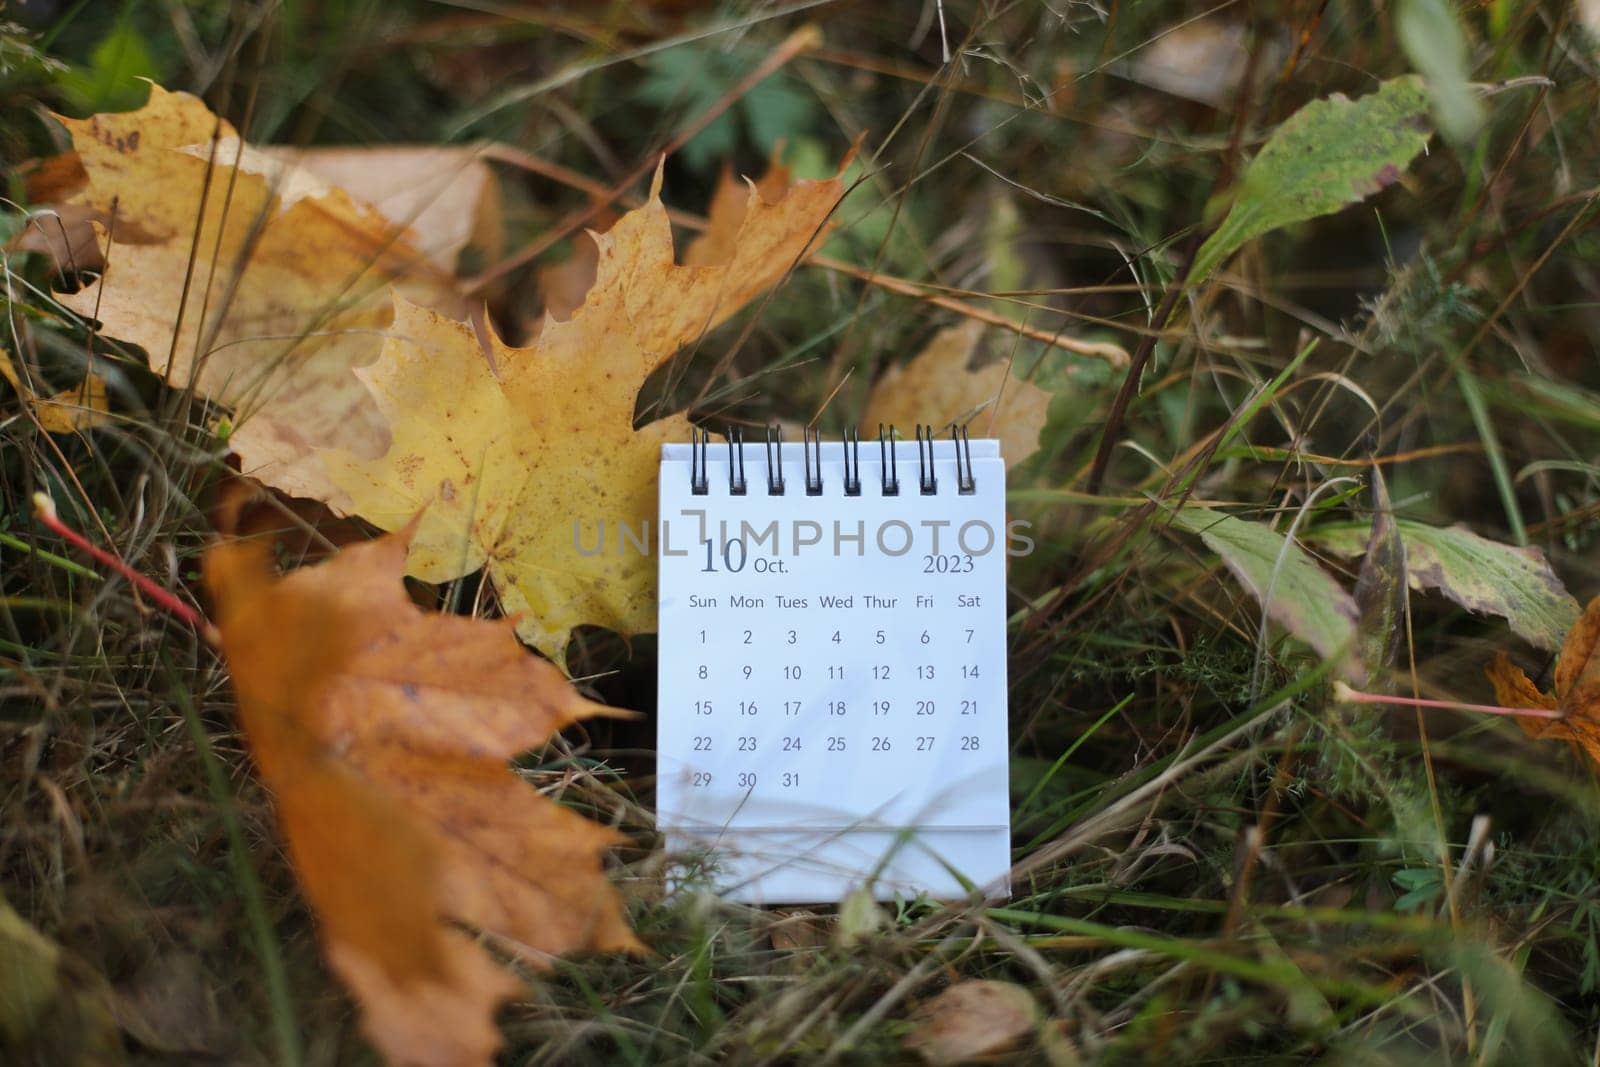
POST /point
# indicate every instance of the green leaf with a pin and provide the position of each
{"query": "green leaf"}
(1529, 394)
(113, 81)
(691, 80)
(50, 1011)
(1298, 594)
(1422, 886)
(1417, 877)
(29, 974)
(1481, 575)
(1331, 153)
(1434, 41)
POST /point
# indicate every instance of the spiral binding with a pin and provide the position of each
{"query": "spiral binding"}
(808, 438)
(774, 466)
(811, 453)
(699, 444)
(852, 474)
(926, 480)
(891, 473)
(736, 482)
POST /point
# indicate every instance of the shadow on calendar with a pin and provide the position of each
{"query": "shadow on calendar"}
(805, 854)
(766, 867)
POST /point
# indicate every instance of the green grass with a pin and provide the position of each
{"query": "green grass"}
(1203, 875)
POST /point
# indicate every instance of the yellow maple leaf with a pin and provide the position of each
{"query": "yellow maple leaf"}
(508, 453)
(729, 203)
(254, 280)
(1577, 688)
(384, 733)
(937, 389)
(78, 408)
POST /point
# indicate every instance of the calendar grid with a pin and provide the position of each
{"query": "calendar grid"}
(833, 666)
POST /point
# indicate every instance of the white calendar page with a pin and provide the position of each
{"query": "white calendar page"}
(833, 675)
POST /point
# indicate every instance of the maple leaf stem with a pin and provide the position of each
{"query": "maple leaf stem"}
(1344, 694)
(44, 509)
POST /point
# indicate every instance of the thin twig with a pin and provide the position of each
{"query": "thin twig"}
(44, 509)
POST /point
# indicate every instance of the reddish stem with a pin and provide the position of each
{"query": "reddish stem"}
(44, 509)
(1347, 695)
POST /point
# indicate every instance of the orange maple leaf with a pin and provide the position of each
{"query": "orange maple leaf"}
(384, 732)
(1577, 692)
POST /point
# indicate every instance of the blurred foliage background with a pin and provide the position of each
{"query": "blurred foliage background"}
(1216, 861)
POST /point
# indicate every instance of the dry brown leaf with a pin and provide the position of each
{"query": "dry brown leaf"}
(1202, 59)
(62, 231)
(973, 1020)
(65, 236)
(936, 388)
(446, 196)
(1577, 692)
(288, 291)
(170, 1006)
(1589, 15)
(507, 452)
(385, 733)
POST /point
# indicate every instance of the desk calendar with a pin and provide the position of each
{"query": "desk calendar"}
(833, 665)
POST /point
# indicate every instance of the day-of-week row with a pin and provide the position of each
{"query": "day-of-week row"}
(831, 603)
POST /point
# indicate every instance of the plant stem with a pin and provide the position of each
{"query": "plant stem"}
(1344, 694)
(285, 1026)
(44, 509)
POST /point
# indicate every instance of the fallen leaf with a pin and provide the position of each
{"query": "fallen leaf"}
(1483, 576)
(1589, 15)
(796, 930)
(1331, 153)
(1577, 688)
(70, 410)
(170, 1006)
(446, 196)
(55, 178)
(287, 281)
(936, 388)
(53, 1006)
(1381, 584)
(730, 204)
(65, 236)
(508, 452)
(1297, 593)
(564, 285)
(62, 230)
(384, 733)
(1203, 59)
(29, 974)
(1514, 689)
(859, 919)
(972, 1020)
